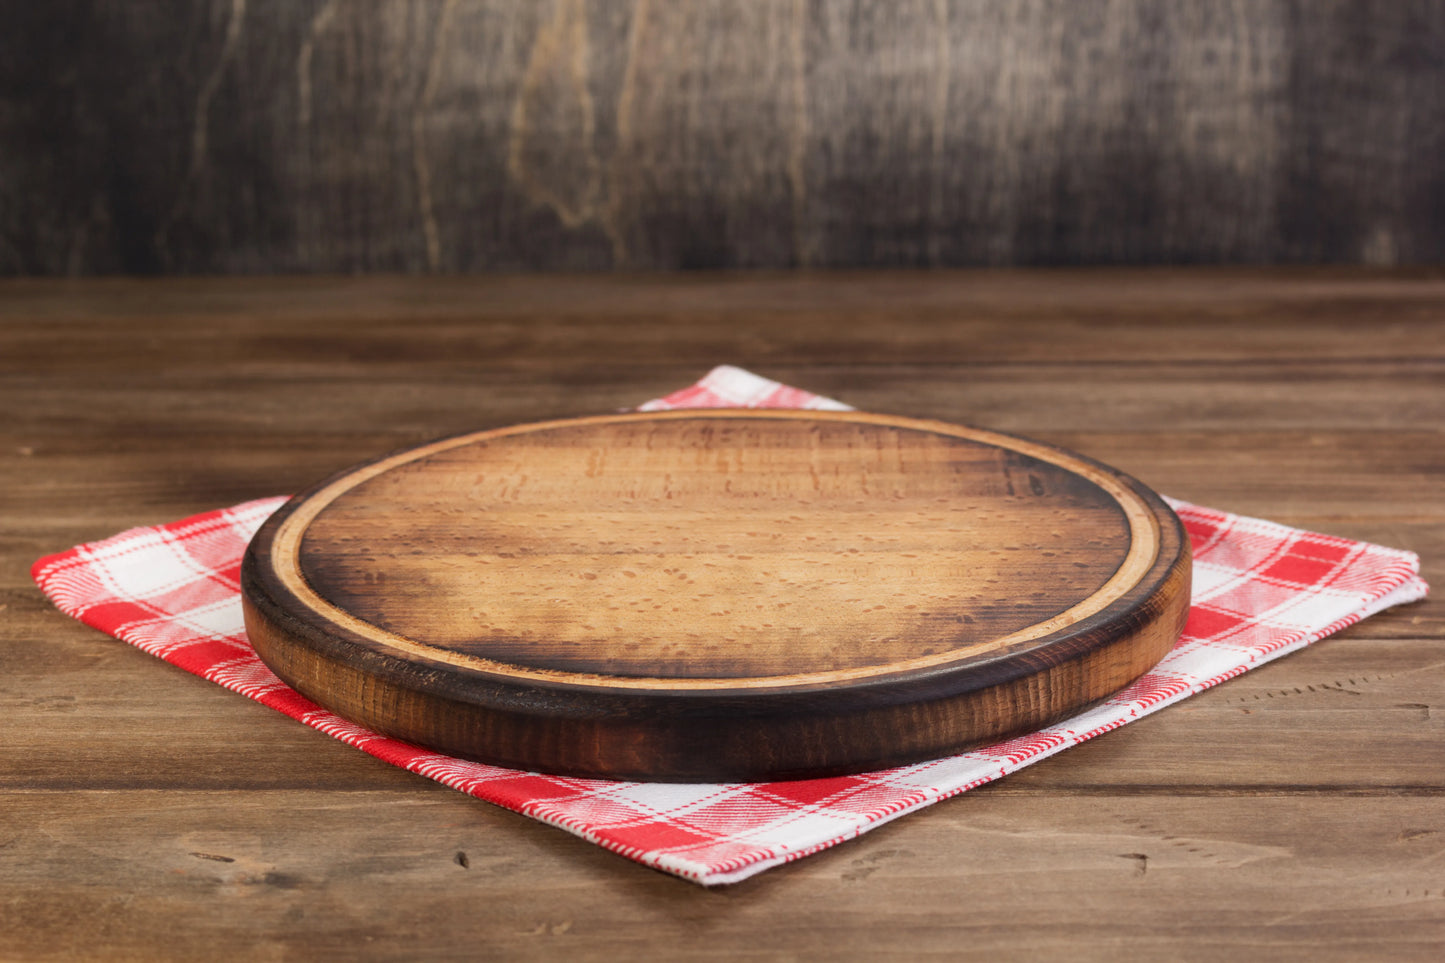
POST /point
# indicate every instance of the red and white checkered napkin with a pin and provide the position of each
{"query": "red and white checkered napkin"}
(1260, 590)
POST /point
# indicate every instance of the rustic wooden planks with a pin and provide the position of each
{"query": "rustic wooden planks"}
(462, 135)
(1270, 821)
(1094, 877)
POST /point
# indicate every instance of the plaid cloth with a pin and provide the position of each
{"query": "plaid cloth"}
(1261, 590)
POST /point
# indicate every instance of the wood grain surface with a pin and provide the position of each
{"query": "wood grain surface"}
(717, 596)
(251, 136)
(1292, 813)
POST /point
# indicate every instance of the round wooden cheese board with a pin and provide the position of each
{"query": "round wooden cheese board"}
(719, 595)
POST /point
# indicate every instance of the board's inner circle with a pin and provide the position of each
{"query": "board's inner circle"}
(692, 549)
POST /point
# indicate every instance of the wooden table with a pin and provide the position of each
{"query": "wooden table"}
(1297, 811)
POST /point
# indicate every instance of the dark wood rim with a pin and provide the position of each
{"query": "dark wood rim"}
(695, 733)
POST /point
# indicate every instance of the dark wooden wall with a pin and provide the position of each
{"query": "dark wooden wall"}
(230, 136)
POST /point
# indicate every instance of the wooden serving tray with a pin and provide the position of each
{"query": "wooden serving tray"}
(717, 595)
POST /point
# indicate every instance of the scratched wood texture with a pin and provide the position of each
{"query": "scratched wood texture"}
(341, 136)
(1292, 813)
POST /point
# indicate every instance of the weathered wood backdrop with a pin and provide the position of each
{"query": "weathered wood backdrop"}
(414, 135)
